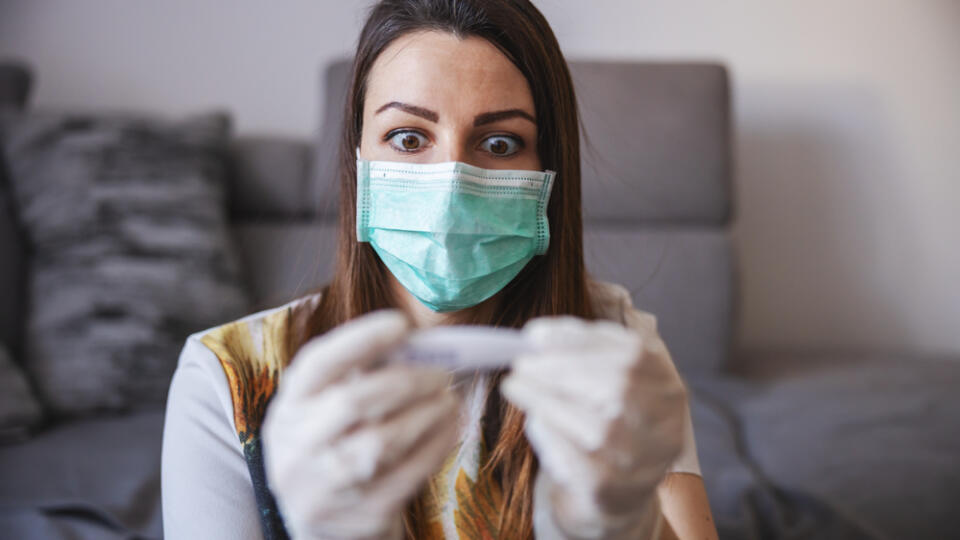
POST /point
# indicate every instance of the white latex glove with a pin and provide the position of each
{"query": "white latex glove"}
(605, 415)
(348, 440)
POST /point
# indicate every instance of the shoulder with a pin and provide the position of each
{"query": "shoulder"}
(244, 358)
(212, 480)
(255, 337)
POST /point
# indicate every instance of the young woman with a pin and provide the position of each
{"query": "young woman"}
(460, 204)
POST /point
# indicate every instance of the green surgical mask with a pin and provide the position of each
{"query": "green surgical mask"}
(451, 233)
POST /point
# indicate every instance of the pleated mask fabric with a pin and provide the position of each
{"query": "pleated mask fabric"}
(453, 234)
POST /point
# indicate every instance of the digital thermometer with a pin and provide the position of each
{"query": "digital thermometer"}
(463, 348)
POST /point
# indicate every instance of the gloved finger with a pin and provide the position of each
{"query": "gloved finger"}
(397, 484)
(656, 365)
(391, 388)
(635, 368)
(388, 491)
(562, 459)
(644, 435)
(609, 381)
(596, 476)
(657, 428)
(586, 489)
(596, 379)
(567, 332)
(363, 399)
(356, 343)
(364, 453)
(601, 356)
(336, 473)
(575, 420)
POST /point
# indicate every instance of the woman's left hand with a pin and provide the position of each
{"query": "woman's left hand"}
(605, 414)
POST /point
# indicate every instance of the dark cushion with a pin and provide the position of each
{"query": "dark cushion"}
(325, 172)
(270, 179)
(15, 81)
(126, 219)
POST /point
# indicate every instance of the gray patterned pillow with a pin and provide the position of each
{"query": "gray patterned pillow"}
(126, 220)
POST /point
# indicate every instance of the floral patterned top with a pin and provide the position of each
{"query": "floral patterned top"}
(252, 353)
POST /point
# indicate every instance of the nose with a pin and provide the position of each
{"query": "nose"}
(454, 154)
(454, 148)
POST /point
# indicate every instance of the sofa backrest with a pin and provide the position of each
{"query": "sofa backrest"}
(656, 163)
(657, 191)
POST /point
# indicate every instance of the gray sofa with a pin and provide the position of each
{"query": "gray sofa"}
(791, 445)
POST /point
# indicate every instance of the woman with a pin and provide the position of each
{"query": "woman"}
(460, 204)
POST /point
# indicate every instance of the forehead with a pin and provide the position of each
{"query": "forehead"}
(448, 74)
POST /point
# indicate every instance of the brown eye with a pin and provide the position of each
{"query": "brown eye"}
(501, 146)
(407, 141)
(410, 142)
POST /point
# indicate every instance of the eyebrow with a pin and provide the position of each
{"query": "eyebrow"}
(411, 109)
(490, 117)
(479, 120)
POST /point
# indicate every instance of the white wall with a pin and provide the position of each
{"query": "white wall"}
(847, 123)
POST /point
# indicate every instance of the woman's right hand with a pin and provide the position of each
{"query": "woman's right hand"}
(348, 440)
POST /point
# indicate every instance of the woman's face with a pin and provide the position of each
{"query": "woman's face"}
(433, 97)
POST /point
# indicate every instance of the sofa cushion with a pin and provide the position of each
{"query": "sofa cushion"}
(270, 179)
(681, 275)
(286, 260)
(95, 478)
(656, 144)
(280, 179)
(126, 219)
(325, 173)
(744, 502)
(876, 437)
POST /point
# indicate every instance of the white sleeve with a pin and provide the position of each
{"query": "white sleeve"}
(687, 461)
(205, 484)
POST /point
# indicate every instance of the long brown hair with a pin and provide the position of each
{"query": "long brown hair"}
(551, 284)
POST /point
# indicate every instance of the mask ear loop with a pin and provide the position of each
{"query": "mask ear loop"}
(363, 199)
(543, 225)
